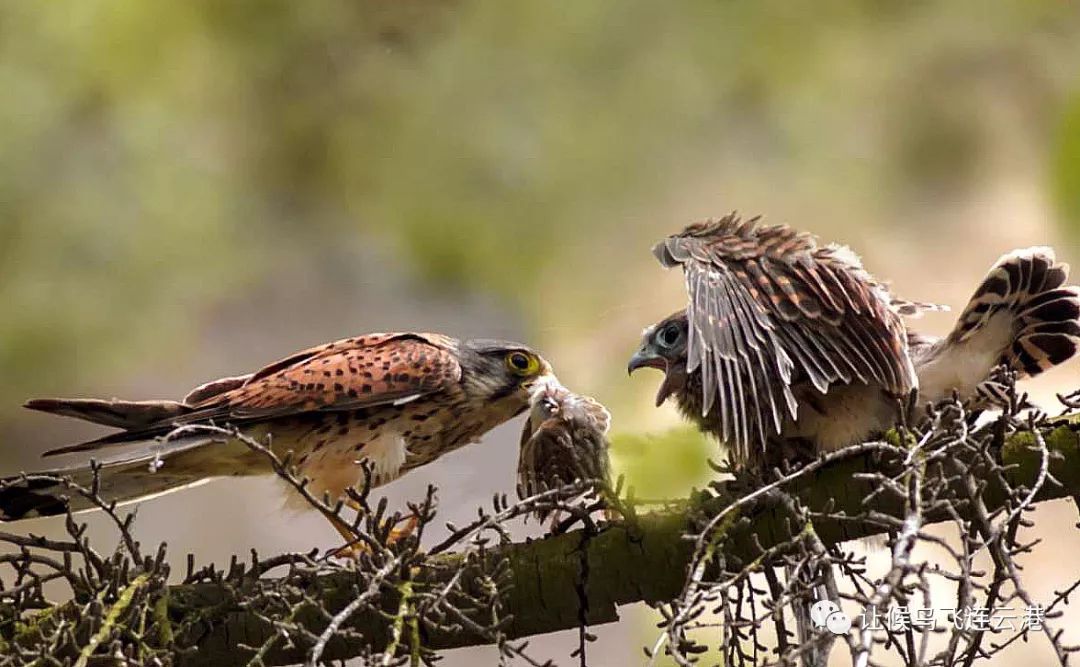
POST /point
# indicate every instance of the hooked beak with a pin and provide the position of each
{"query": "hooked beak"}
(647, 358)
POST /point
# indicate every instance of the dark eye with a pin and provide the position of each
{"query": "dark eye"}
(669, 336)
(521, 363)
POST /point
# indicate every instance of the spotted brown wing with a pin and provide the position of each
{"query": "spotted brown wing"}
(768, 307)
(343, 375)
(349, 374)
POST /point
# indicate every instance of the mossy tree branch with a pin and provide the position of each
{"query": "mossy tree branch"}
(644, 559)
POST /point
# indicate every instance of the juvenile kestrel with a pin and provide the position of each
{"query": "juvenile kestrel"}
(784, 337)
(395, 400)
(564, 441)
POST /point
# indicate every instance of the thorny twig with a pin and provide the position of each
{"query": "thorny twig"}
(947, 468)
(118, 605)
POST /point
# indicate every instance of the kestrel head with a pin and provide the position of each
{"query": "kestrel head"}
(663, 346)
(502, 373)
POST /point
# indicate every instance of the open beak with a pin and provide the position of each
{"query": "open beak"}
(667, 388)
(646, 358)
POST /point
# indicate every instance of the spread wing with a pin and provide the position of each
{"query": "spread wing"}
(349, 374)
(769, 308)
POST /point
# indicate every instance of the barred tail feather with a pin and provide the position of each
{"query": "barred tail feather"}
(1050, 333)
(1022, 316)
(1028, 285)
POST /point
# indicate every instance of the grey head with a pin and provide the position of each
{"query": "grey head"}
(664, 347)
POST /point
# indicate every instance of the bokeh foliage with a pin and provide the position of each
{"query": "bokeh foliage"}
(159, 160)
(1066, 167)
(155, 160)
(665, 464)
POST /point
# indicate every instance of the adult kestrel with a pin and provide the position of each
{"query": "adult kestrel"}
(564, 440)
(395, 400)
(784, 337)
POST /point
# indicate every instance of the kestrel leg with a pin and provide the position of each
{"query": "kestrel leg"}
(353, 547)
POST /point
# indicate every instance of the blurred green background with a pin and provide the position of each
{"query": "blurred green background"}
(192, 189)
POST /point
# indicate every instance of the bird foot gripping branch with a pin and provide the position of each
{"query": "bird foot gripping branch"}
(354, 548)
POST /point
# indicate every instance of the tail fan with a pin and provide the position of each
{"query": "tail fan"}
(1022, 316)
(1029, 285)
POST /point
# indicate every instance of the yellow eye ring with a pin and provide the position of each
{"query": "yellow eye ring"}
(523, 364)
